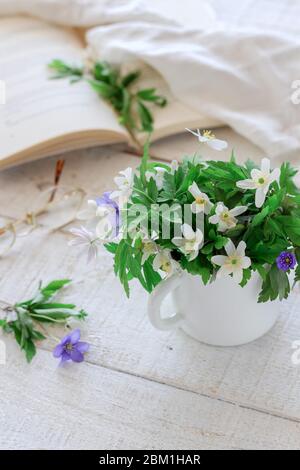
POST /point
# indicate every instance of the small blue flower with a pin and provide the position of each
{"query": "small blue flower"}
(105, 200)
(70, 348)
(286, 261)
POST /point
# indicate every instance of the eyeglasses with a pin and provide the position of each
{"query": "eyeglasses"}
(54, 208)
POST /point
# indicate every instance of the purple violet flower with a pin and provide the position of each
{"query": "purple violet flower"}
(70, 348)
(286, 261)
(105, 200)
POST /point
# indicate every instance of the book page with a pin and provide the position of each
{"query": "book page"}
(39, 111)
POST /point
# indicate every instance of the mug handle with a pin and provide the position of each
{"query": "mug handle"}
(155, 300)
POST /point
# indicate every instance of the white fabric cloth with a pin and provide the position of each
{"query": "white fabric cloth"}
(239, 75)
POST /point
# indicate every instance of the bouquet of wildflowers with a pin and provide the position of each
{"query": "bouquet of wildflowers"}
(209, 218)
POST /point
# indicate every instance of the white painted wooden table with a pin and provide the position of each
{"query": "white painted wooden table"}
(139, 388)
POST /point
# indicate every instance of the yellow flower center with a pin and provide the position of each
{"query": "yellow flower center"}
(200, 200)
(166, 266)
(209, 135)
(147, 246)
(261, 180)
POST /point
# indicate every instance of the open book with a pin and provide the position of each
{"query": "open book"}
(44, 117)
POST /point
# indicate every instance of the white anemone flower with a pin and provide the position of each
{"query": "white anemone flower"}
(125, 184)
(225, 218)
(202, 202)
(97, 218)
(235, 261)
(86, 240)
(261, 181)
(149, 247)
(157, 175)
(164, 262)
(190, 242)
(210, 139)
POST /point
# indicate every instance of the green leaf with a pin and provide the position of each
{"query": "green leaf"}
(144, 163)
(30, 350)
(276, 284)
(260, 217)
(145, 117)
(152, 277)
(246, 277)
(291, 226)
(64, 71)
(152, 190)
(104, 89)
(261, 270)
(53, 287)
(287, 174)
(220, 242)
(207, 249)
(200, 266)
(130, 78)
(111, 247)
(149, 94)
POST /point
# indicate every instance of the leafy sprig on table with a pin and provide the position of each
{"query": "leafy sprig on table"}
(131, 106)
(25, 319)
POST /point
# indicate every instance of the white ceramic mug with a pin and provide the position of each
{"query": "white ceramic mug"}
(221, 313)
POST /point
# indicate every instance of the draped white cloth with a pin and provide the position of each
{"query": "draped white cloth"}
(239, 75)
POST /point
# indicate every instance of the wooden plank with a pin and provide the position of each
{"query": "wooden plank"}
(90, 407)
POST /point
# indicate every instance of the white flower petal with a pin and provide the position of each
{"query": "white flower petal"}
(224, 270)
(217, 144)
(127, 173)
(274, 176)
(265, 165)
(246, 262)
(238, 210)
(157, 262)
(246, 184)
(222, 226)
(256, 174)
(259, 197)
(240, 250)
(208, 206)
(194, 190)
(221, 208)
(193, 255)
(219, 260)
(196, 134)
(230, 248)
(188, 232)
(178, 241)
(199, 236)
(237, 275)
(203, 139)
(77, 242)
(196, 208)
(214, 219)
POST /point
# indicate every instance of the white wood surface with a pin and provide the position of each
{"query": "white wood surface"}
(139, 388)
